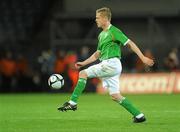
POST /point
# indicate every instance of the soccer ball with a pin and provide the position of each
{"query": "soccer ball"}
(56, 81)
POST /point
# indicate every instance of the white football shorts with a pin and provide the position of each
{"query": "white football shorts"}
(109, 71)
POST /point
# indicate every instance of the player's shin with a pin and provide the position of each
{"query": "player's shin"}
(78, 90)
(129, 106)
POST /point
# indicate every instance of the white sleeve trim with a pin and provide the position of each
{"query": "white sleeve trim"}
(126, 42)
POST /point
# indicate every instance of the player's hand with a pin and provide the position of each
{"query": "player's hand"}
(78, 65)
(148, 61)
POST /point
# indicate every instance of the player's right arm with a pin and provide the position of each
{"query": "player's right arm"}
(89, 60)
(144, 59)
(123, 39)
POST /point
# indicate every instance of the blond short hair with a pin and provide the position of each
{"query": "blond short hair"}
(105, 12)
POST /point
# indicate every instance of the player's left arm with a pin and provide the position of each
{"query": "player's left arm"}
(89, 60)
(144, 59)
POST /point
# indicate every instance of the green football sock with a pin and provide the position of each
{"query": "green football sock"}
(129, 107)
(78, 89)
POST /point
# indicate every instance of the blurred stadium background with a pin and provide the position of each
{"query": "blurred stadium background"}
(38, 38)
(42, 37)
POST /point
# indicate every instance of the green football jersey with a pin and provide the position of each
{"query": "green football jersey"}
(110, 42)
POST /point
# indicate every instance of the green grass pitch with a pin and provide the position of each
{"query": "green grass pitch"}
(96, 113)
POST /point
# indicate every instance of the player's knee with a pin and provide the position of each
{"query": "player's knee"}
(82, 74)
(116, 97)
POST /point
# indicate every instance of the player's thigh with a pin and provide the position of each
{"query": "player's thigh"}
(100, 70)
(112, 84)
(104, 69)
(94, 70)
(111, 67)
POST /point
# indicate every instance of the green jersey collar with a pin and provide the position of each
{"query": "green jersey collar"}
(109, 26)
